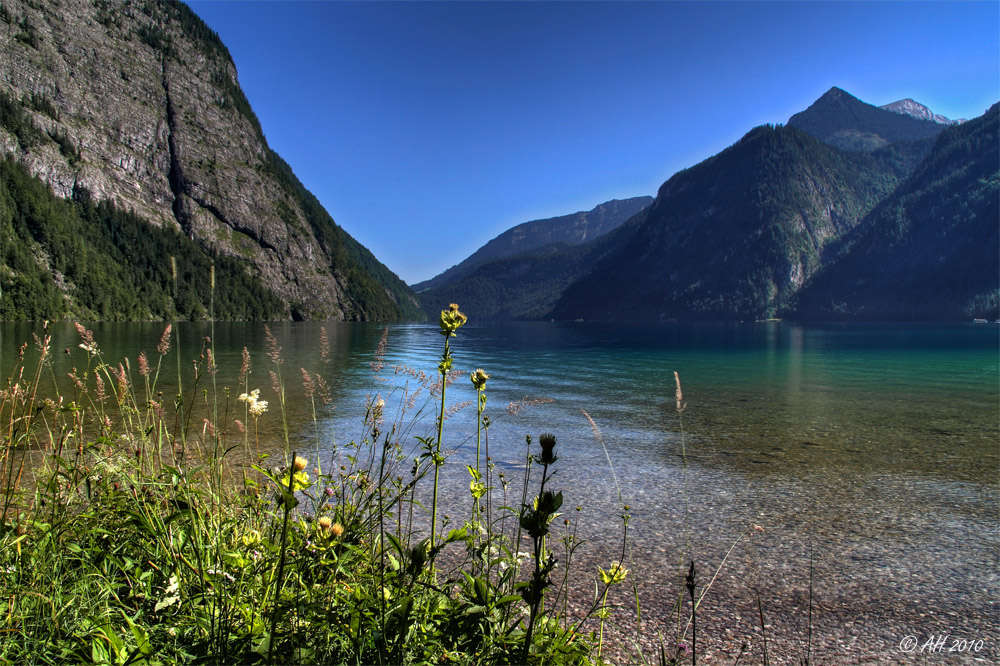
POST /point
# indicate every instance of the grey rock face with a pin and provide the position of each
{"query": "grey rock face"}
(909, 107)
(149, 98)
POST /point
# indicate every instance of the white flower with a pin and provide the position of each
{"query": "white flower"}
(254, 403)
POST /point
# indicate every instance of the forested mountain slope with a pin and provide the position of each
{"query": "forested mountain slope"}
(932, 249)
(575, 229)
(736, 236)
(138, 105)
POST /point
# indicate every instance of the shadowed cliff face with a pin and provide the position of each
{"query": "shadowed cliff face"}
(147, 98)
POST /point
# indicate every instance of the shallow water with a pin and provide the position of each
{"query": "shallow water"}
(867, 453)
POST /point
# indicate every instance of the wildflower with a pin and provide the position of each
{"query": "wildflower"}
(254, 403)
(479, 379)
(451, 320)
(307, 383)
(615, 574)
(88, 343)
(164, 345)
(244, 366)
(337, 530)
(548, 444)
(274, 350)
(217, 572)
(299, 463)
(516, 561)
(324, 390)
(378, 361)
(328, 492)
(324, 522)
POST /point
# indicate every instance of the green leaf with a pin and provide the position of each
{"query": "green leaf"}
(460, 534)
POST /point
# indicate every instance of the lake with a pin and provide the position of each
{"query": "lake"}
(869, 456)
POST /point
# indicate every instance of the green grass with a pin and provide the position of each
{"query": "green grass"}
(131, 533)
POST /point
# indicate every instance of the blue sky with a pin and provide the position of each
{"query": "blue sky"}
(427, 128)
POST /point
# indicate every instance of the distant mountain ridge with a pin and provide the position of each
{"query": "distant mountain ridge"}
(909, 107)
(574, 229)
(848, 212)
(526, 285)
(842, 120)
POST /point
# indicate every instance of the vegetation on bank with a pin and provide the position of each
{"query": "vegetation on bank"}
(133, 532)
(176, 36)
(66, 258)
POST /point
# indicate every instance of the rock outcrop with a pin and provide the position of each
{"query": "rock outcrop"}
(139, 103)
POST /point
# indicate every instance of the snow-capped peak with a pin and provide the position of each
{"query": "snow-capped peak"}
(909, 107)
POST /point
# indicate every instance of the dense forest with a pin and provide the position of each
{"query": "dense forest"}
(931, 250)
(80, 258)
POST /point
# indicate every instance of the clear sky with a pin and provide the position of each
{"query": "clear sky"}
(427, 128)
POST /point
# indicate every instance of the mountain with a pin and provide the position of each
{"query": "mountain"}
(135, 109)
(526, 285)
(909, 107)
(931, 250)
(742, 234)
(844, 121)
(574, 229)
(737, 235)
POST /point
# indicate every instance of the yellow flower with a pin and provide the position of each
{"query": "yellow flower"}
(324, 522)
(337, 529)
(451, 320)
(479, 378)
(299, 463)
(615, 574)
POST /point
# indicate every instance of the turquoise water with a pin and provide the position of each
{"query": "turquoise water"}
(870, 450)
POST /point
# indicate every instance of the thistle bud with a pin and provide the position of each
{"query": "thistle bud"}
(548, 443)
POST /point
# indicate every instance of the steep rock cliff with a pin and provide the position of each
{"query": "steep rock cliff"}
(138, 103)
